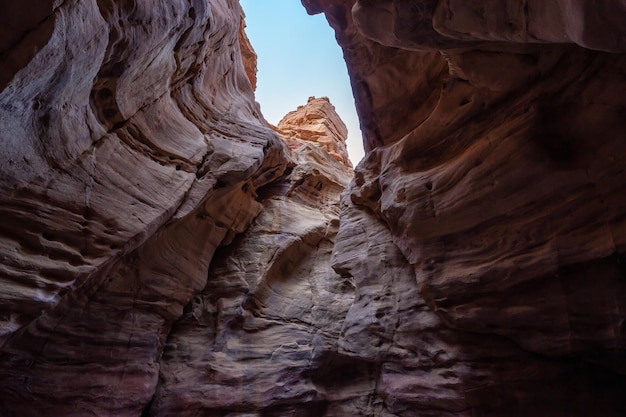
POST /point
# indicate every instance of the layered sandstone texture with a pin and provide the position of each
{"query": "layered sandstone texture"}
(131, 149)
(248, 54)
(318, 123)
(494, 186)
(256, 339)
(163, 252)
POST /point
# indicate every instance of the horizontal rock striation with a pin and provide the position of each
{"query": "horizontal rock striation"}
(318, 123)
(131, 149)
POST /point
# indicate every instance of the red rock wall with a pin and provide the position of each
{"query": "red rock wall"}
(134, 158)
(495, 166)
(131, 149)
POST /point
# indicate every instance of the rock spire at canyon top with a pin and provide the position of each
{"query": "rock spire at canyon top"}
(316, 122)
(164, 251)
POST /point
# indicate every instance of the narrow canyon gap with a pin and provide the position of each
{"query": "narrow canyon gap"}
(298, 57)
(165, 252)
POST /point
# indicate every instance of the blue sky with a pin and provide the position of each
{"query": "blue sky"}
(299, 58)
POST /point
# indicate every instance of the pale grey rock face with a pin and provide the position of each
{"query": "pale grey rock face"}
(268, 320)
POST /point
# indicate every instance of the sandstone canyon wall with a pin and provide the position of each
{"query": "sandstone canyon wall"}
(165, 252)
(132, 148)
(496, 135)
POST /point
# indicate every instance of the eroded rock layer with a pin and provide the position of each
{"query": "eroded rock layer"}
(270, 315)
(495, 166)
(316, 122)
(163, 252)
(131, 149)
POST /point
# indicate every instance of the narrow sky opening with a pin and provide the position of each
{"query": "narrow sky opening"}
(298, 57)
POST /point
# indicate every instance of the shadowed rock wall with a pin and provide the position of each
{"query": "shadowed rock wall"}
(495, 167)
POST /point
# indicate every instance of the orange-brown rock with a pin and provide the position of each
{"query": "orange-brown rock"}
(131, 148)
(316, 122)
(248, 53)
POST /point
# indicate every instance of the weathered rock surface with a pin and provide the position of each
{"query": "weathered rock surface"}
(126, 164)
(131, 149)
(163, 252)
(248, 54)
(316, 122)
(495, 167)
(270, 315)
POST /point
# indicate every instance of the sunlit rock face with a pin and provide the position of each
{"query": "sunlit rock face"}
(318, 123)
(494, 183)
(248, 54)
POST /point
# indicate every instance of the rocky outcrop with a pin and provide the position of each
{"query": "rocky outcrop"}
(248, 54)
(316, 122)
(270, 315)
(494, 167)
(130, 169)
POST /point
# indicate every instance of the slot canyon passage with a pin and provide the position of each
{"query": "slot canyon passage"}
(166, 252)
